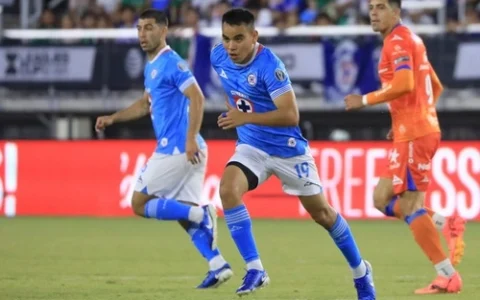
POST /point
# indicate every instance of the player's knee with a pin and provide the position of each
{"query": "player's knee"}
(230, 194)
(138, 207)
(411, 202)
(319, 209)
(380, 200)
(324, 216)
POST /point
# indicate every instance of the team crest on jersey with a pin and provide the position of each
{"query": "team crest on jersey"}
(244, 105)
(280, 75)
(153, 74)
(252, 79)
(182, 66)
(292, 142)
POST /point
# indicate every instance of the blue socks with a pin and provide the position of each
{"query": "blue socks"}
(389, 208)
(343, 238)
(202, 242)
(170, 210)
(240, 226)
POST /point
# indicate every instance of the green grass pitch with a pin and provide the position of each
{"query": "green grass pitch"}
(131, 258)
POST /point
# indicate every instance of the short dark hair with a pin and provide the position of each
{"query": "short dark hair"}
(159, 16)
(238, 16)
(396, 2)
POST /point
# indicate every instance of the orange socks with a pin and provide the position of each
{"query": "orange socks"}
(426, 236)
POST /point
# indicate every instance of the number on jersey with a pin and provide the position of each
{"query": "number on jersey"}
(302, 170)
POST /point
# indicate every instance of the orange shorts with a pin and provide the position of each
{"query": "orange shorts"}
(410, 163)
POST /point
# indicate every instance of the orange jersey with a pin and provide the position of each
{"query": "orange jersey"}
(413, 114)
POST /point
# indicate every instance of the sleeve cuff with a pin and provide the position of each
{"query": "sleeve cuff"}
(364, 100)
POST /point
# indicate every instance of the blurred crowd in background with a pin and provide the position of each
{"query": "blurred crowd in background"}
(279, 13)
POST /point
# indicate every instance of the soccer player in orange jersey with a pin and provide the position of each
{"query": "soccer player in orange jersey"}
(411, 88)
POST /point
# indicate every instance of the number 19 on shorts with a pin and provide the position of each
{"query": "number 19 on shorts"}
(302, 170)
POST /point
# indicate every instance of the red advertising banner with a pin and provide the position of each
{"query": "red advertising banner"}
(96, 178)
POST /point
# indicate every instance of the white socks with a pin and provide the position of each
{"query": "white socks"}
(216, 263)
(196, 214)
(255, 264)
(445, 268)
(360, 271)
(439, 221)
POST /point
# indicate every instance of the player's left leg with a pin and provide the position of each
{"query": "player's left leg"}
(299, 177)
(448, 280)
(179, 183)
(452, 228)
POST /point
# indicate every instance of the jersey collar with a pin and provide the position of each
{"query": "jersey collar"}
(163, 50)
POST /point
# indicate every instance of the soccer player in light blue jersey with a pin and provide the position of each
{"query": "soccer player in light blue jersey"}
(170, 185)
(262, 107)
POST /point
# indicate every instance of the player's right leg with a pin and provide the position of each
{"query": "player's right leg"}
(204, 239)
(244, 173)
(219, 269)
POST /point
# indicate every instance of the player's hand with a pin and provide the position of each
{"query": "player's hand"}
(193, 151)
(390, 135)
(232, 118)
(353, 102)
(103, 122)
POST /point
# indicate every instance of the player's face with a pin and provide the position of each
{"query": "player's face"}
(382, 15)
(239, 41)
(150, 34)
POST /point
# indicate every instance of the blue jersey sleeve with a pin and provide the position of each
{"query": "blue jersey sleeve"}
(214, 54)
(180, 75)
(275, 77)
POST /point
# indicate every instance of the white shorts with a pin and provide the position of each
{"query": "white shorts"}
(172, 177)
(298, 174)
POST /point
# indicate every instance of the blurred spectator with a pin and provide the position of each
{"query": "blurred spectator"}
(47, 20)
(89, 21)
(104, 21)
(291, 19)
(128, 18)
(309, 15)
(137, 5)
(280, 13)
(67, 22)
(217, 12)
(109, 6)
(261, 11)
(323, 19)
(472, 13)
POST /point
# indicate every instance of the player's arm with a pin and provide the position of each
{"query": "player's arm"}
(183, 79)
(195, 95)
(403, 82)
(138, 109)
(286, 113)
(437, 87)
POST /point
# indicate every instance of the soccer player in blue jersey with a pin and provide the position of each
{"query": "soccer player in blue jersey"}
(171, 183)
(262, 107)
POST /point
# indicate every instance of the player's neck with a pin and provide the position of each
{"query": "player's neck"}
(151, 55)
(389, 30)
(250, 56)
